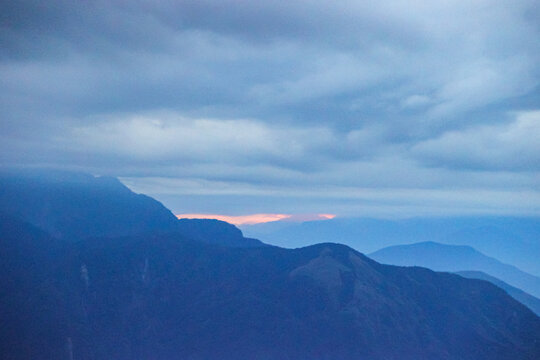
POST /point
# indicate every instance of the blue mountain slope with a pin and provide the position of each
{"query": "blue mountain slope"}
(513, 240)
(441, 257)
(73, 206)
(166, 297)
(528, 300)
(173, 291)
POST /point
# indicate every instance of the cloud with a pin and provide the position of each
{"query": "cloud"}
(243, 57)
(168, 137)
(415, 101)
(485, 82)
(512, 146)
(277, 99)
(354, 201)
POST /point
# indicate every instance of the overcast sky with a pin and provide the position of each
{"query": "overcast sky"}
(354, 108)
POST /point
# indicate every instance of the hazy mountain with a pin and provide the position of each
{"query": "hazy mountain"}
(73, 206)
(530, 301)
(514, 240)
(167, 297)
(454, 258)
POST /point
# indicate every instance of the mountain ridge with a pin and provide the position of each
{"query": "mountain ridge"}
(513, 240)
(72, 206)
(167, 297)
(528, 300)
(453, 258)
(195, 294)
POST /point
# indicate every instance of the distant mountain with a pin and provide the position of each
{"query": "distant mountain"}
(73, 206)
(165, 297)
(514, 240)
(440, 257)
(528, 300)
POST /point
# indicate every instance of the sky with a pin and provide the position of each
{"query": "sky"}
(350, 108)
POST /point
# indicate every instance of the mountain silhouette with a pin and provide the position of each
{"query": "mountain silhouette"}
(215, 232)
(453, 258)
(73, 206)
(169, 294)
(513, 240)
(528, 300)
(168, 297)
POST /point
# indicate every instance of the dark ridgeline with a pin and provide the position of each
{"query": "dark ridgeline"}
(215, 232)
(165, 294)
(513, 240)
(526, 299)
(74, 206)
(442, 257)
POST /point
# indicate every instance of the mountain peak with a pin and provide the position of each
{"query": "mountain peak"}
(74, 205)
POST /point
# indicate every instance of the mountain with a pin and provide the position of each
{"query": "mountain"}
(453, 258)
(215, 232)
(31, 309)
(528, 300)
(166, 297)
(77, 285)
(73, 206)
(513, 240)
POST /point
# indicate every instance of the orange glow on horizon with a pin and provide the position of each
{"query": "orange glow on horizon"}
(258, 218)
(312, 217)
(237, 220)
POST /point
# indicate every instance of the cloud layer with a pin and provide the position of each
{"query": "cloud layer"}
(393, 108)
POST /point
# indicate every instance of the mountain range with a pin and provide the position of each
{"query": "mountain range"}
(78, 289)
(442, 257)
(73, 206)
(513, 240)
(528, 300)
